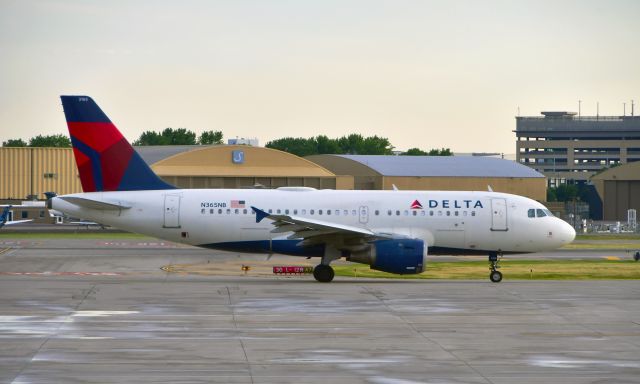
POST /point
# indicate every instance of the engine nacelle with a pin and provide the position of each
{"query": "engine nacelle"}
(403, 256)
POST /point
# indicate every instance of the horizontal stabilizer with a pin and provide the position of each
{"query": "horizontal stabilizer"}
(94, 204)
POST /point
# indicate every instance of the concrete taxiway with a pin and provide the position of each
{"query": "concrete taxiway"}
(103, 311)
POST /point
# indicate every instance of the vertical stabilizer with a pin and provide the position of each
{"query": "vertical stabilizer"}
(105, 159)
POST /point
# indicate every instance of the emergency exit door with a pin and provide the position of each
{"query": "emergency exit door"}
(363, 215)
(171, 211)
(499, 215)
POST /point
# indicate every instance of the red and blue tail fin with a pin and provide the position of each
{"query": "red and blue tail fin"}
(105, 159)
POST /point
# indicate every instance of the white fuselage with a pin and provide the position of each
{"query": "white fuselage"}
(448, 221)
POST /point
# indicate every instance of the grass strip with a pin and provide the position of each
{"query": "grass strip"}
(512, 270)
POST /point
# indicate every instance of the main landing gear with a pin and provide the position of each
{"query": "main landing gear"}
(494, 263)
(323, 273)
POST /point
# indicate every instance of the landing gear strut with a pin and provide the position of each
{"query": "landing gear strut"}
(323, 273)
(494, 263)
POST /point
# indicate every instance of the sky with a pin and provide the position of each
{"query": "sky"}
(427, 74)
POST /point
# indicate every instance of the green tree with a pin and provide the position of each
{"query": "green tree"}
(551, 194)
(210, 137)
(179, 136)
(566, 192)
(61, 141)
(14, 143)
(415, 152)
(374, 145)
(169, 136)
(295, 145)
(440, 152)
(150, 138)
(325, 145)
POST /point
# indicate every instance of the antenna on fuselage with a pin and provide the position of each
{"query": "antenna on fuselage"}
(489, 188)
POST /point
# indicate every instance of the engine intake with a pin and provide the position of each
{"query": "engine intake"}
(404, 256)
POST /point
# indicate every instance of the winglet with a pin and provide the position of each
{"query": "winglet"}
(260, 214)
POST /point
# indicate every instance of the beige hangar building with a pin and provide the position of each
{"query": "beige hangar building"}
(448, 173)
(29, 172)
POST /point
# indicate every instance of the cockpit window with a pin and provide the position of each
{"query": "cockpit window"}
(531, 213)
(548, 212)
(540, 213)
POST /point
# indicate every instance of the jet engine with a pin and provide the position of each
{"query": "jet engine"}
(401, 256)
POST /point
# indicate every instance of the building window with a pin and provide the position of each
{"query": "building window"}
(24, 214)
(50, 175)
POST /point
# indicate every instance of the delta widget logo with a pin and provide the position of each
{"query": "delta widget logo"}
(416, 205)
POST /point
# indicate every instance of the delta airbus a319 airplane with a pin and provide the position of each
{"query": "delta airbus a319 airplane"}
(391, 231)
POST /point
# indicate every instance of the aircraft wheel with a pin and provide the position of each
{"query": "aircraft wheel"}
(495, 276)
(636, 256)
(323, 273)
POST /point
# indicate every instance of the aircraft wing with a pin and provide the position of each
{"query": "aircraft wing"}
(17, 222)
(310, 229)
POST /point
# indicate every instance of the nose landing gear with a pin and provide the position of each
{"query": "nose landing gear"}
(494, 263)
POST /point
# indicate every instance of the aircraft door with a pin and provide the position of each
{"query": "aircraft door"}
(363, 214)
(171, 211)
(499, 215)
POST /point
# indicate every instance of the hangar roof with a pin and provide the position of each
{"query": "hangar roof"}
(624, 172)
(151, 154)
(217, 161)
(440, 166)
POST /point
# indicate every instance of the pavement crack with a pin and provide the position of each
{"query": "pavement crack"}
(380, 297)
(235, 326)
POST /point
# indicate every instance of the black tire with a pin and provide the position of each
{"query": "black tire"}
(495, 276)
(323, 273)
(636, 256)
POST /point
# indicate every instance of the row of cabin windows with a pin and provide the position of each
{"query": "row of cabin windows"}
(338, 212)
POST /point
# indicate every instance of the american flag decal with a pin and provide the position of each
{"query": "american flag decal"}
(237, 203)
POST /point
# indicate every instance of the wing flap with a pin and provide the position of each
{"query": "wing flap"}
(305, 228)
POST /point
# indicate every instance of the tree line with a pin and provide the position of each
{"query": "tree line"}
(354, 144)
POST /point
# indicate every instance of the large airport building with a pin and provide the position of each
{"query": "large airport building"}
(565, 147)
(590, 150)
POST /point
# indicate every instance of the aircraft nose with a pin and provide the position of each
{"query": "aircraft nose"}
(566, 233)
